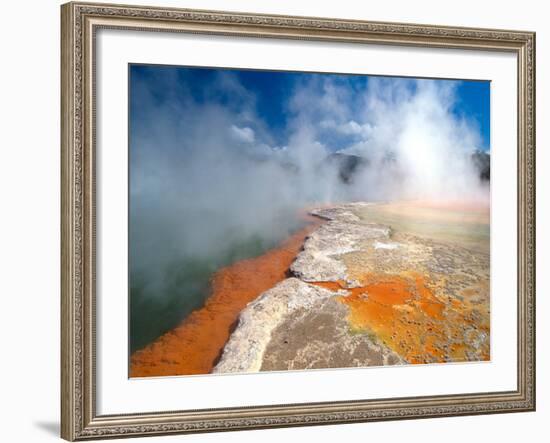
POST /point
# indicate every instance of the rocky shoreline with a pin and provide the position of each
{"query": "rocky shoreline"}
(194, 346)
(360, 294)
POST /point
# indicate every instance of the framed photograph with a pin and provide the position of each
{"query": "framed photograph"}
(283, 221)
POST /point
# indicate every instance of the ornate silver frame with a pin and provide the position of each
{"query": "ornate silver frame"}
(79, 22)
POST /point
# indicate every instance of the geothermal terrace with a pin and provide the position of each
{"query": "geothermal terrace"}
(362, 285)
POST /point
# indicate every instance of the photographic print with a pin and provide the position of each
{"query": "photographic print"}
(296, 221)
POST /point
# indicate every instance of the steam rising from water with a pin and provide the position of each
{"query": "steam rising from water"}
(208, 173)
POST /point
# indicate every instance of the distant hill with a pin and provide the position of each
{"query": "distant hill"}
(347, 165)
(482, 162)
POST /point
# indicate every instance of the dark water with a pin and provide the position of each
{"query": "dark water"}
(186, 285)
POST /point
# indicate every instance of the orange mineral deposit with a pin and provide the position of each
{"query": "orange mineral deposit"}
(194, 346)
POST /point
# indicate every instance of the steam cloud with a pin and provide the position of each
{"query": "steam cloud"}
(206, 172)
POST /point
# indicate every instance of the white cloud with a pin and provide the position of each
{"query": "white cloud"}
(354, 128)
(244, 135)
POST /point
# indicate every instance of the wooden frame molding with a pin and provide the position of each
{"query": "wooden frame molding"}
(79, 23)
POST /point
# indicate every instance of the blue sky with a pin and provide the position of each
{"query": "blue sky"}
(270, 97)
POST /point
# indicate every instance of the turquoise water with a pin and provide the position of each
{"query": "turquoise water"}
(186, 285)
